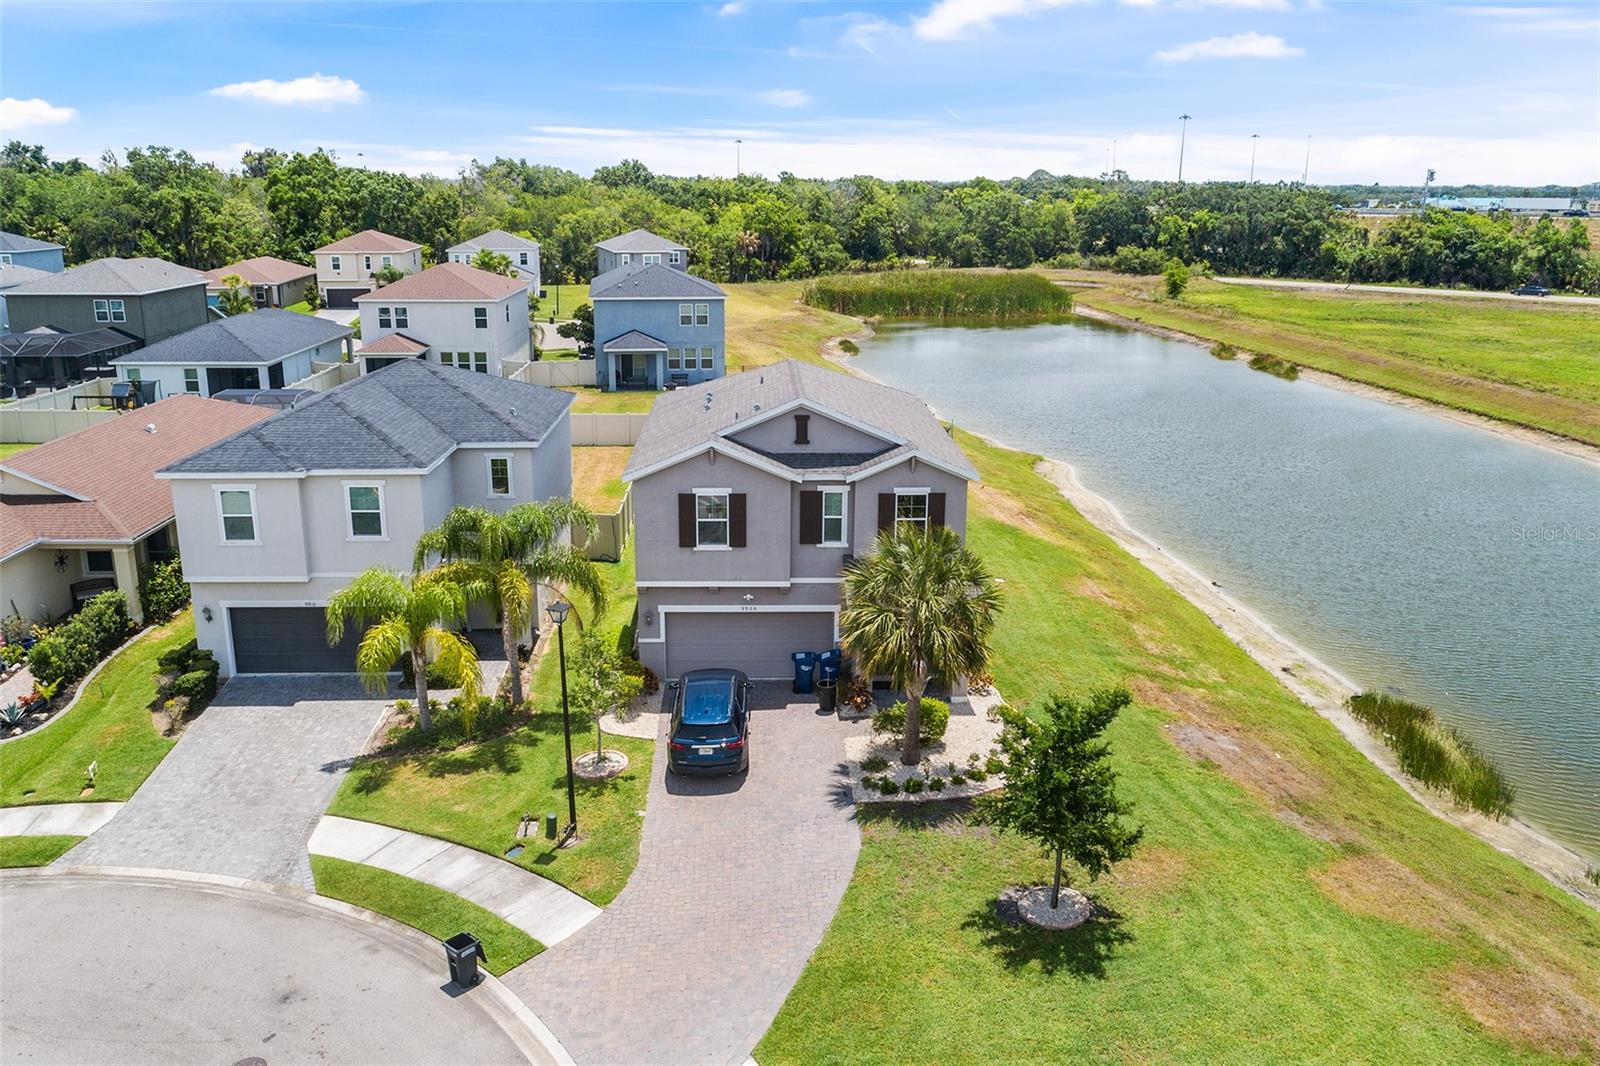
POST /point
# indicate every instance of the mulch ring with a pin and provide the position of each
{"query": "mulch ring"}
(592, 767)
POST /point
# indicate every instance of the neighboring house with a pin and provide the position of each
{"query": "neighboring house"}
(150, 299)
(640, 247)
(751, 493)
(522, 251)
(275, 520)
(266, 349)
(345, 267)
(17, 250)
(82, 513)
(272, 282)
(656, 325)
(11, 276)
(450, 314)
(46, 359)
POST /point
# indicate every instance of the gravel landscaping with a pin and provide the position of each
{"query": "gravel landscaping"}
(974, 730)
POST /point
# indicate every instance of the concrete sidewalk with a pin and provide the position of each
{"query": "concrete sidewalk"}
(56, 819)
(538, 906)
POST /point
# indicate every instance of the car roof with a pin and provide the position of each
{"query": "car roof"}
(708, 695)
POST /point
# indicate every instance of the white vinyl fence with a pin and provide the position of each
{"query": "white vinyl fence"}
(325, 376)
(610, 533)
(560, 373)
(594, 430)
(44, 416)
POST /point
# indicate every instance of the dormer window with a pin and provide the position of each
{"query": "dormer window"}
(802, 429)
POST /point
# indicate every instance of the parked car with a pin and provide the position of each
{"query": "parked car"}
(1530, 290)
(710, 728)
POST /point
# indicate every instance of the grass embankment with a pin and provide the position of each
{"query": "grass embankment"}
(33, 851)
(597, 477)
(1436, 754)
(8, 450)
(1533, 365)
(476, 794)
(110, 724)
(939, 294)
(436, 912)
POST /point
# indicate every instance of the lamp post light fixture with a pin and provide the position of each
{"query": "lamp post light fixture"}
(1183, 137)
(738, 162)
(1254, 137)
(558, 614)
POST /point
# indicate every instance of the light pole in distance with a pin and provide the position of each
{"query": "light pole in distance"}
(1183, 137)
(1254, 137)
(738, 162)
(558, 614)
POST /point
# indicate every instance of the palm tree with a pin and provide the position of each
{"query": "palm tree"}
(406, 616)
(921, 606)
(501, 558)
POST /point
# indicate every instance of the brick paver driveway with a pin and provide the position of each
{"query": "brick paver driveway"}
(241, 792)
(736, 882)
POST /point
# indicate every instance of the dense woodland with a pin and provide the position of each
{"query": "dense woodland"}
(159, 202)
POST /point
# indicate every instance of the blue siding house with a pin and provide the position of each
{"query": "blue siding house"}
(17, 250)
(655, 324)
(639, 247)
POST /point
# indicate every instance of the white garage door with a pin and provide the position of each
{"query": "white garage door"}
(758, 644)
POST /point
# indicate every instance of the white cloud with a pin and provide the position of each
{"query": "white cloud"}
(1239, 46)
(785, 97)
(950, 20)
(733, 7)
(23, 114)
(316, 90)
(1241, 5)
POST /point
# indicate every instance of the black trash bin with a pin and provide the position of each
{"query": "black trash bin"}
(463, 951)
(827, 695)
(805, 670)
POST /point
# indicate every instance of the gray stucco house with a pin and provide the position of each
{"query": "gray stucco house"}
(12, 276)
(150, 299)
(273, 520)
(522, 251)
(17, 250)
(749, 495)
(639, 247)
(266, 349)
(655, 324)
(272, 282)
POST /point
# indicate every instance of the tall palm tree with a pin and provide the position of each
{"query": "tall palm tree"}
(406, 616)
(502, 557)
(921, 606)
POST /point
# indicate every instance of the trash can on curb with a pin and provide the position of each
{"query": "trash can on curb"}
(463, 952)
(827, 695)
(805, 670)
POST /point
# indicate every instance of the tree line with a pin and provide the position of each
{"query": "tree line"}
(162, 202)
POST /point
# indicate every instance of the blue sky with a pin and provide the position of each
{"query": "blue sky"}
(939, 89)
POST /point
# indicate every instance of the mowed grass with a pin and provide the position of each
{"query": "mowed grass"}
(475, 795)
(110, 724)
(436, 912)
(597, 477)
(8, 450)
(571, 298)
(33, 851)
(1531, 364)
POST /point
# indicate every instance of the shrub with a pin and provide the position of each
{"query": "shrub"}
(1436, 754)
(978, 775)
(1175, 276)
(958, 779)
(994, 765)
(936, 784)
(980, 684)
(174, 660)
(1224, 350)
(1131, 260)
(14, 629)
(58, 657)
(196, 686)
(935, 720)
(403, 706)
(849, 347)
(875, 764)
(939, 294)
(914, 785)
(1271, 364)
(859, 694)
(888, 786)
(162, 590)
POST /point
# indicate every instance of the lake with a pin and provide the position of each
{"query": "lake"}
(1435, 560)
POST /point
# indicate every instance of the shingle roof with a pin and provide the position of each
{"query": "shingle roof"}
(447, 281)
(111, 466)
(656, 281)
(403, 417)
(262, 270)
(113, 276)
(633, 341)
(394, 344)
(12, 274)
(369, 240)
(682, 421)
(495, 238)
(263, 336)
(16, 242)
(640, 240)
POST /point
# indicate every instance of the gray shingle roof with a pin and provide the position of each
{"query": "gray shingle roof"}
(495, 239)
(16, 242)
(682, 421)
(634, 341)
(640, 240)
(656, 281)
(263, 336)
(12, 274)
(403, 417)
(113, 276)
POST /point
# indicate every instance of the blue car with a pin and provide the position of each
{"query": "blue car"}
(710, 728)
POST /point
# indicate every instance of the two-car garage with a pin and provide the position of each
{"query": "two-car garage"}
(759, 643)
(288, 640)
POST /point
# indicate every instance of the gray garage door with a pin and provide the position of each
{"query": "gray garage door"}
(345, 297)
(288, 640)
(758, 644)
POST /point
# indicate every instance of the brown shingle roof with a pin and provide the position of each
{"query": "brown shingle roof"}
(369, 240)
(394, 344)
(447, 281)
(262, 270)
(110, 467)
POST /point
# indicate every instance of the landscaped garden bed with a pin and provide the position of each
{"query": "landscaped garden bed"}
(961, 763)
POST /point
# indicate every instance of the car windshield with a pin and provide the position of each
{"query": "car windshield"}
(707, 701)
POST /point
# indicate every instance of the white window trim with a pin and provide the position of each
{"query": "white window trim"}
(198, 387)
(102, 307)
(674, 258)
(708, 359)
(488, 473)
(366, 262)
(349, 517)
(336, 264)
(726, 495)
(844, 517)
(686, 311)
(99, 573)
(5, 258)
(119, 311)
(387, 261)
(927, 506)
(255, 516)
(702, 310)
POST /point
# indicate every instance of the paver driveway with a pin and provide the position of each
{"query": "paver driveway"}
(242, 791)
(736, 882)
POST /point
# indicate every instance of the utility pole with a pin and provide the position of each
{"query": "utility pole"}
(1428, 182)
(1304, 173)
(1183, 137)
(738, 163)
(1113, 159)
(1254, 137)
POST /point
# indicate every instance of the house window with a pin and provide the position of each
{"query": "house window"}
(365, 508)
(522, 259)
(686, 314)
(117, 312)
(236, 508)
(711, 520)
(385, 320)
(911, 508)
(5, 258)
(102, 311)
(401, 319)
(499, 475)
(134, 373)
(651, 258)
(480, 318)
(833, 527)
(674, 359)
(508, 312)
(335, 263)
(625, 258)
(674, 258)
(191, 379)
(261, 294)
(388, 260)
(708, 358)
(480, 361)
(702, 314)
(98, 562)
(366, 262)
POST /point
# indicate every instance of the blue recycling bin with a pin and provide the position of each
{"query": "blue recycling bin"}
(828, 665)
(805, 670)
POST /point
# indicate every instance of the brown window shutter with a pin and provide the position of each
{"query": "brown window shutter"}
(885, 511)
(736, 520)
(935, 508)
(686, 529)
(811, 518)
(802, 429)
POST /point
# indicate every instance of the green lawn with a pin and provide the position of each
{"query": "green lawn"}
(475, 795)
(110, 725)
(571, 298)
(33, 851)
(8, 450)
(300, 308)
(436, 912)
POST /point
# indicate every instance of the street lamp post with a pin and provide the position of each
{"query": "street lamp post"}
(1183, 137)
(558, 614)
(1254, 137)
(738, 162)
(1306, 172)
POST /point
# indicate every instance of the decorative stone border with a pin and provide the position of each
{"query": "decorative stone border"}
(608, 764)
(1033, 906)
(973, 729)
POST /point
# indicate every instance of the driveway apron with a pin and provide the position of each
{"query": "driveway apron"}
(241, 792)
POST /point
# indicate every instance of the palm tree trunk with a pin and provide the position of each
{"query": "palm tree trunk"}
(509, 639)
(1055, 890)
(419, 674)
(911, 743)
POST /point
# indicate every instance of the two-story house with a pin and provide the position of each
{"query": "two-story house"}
(274, 520)
(17, 250)
(655, 324)
(272, 282)
(346, 266)
(522, 251)
(751, 492)
(266, 349)
(639, 247)
(148, 299)
(451, 314)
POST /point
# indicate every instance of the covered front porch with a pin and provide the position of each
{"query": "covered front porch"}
(51, 580)
(634, 360)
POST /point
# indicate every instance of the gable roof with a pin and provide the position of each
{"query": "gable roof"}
(105, 473)
(640, 240)
(369, 240)
(262, 270)
(16, 242)
(394, 344)
(495, 238)
(656, 281)
(406, 416)
(263, 336)
(634, 341)
(113, 276)
(447, 281)
(684, 423)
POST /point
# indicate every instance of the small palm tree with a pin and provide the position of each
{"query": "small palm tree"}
(406, 616)
(501, 558)
(921, 606)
